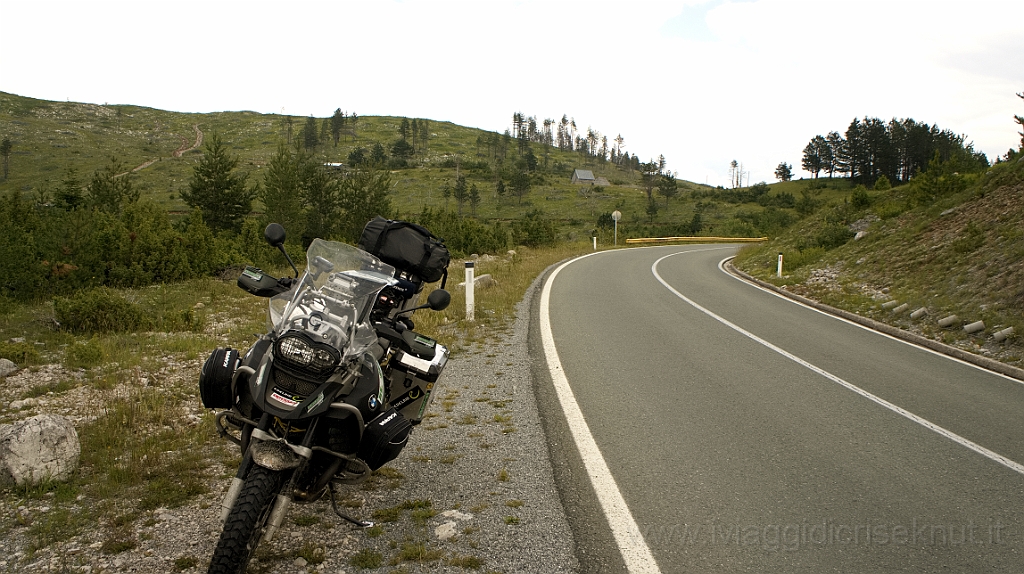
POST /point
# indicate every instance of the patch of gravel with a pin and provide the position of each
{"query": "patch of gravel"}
(472, 492)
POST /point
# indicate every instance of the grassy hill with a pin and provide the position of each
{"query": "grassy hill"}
(51, 138)
(961, 255)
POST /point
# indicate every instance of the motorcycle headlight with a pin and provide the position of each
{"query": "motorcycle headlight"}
(298, 352)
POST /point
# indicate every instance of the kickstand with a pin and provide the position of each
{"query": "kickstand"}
(334, 504)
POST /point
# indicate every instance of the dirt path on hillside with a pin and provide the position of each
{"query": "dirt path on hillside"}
(183, 149)
(184, 143)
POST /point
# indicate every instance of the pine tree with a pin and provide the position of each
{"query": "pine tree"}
(220, 195)
(363, 195)
(337, 125)
(69, 194)
(836, 157)
(652, 209)
(377, 155)
(499, 190)
(281, 193)
(520, 184)
(461, 192)
(322, 201)
(668, 187)
(5, 152)
(474, 198)
(649, 178)
(811, 161)
(784, 172)
(446, 193)
(112, 189)
(309, 134)
(696, 225)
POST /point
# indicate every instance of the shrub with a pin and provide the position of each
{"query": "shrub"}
(860, 199)
(99, 310)
(84, 355)
(20, 354)
(533, 231)
(805, 256)
(890, 208)
(807, 204)
(833, 235)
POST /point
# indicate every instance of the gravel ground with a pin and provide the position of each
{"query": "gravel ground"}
(473, 492)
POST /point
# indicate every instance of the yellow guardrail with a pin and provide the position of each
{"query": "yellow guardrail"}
(697, 239)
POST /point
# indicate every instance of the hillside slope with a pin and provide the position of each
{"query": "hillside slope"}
(962, 255)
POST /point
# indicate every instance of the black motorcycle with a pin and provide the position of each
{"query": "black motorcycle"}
(332, 391)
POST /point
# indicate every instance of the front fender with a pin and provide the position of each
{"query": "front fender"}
(276, 454)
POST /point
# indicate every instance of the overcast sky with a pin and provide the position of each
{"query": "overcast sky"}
(702, 83)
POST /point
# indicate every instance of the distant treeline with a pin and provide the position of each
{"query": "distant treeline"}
(102, 234)
(897, 149)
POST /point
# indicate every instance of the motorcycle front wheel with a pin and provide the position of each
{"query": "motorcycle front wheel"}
(246, 522)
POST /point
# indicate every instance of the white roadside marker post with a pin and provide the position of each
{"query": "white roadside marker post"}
(469, 290)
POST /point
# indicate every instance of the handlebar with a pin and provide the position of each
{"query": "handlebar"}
(255, 281)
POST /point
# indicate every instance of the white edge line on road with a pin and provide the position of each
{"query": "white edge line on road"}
(635, 552)
(721, 267)
(1014, 466)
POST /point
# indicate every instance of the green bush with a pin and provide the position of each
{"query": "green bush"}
(99, 310)
(860, 199)
(20, 354)
(465, 235)
(833, 235)
(802, 257)
(890, 208)
(84, 355)
(533, 231)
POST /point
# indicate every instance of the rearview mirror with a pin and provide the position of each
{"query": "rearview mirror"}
(274, 234)
(439, 299)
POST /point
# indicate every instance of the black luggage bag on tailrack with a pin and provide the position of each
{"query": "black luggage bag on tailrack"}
(408, 247)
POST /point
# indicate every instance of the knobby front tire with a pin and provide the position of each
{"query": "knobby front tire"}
(246, 522)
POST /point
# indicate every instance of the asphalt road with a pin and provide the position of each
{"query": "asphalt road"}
(753, 434)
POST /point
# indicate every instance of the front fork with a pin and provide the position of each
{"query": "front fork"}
(274, 454)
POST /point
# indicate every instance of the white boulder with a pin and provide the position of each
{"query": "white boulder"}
(38, 448)
(7, 368)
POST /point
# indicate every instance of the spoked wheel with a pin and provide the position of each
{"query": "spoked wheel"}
(246, 522)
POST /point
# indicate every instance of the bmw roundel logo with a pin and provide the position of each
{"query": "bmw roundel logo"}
(373, 403)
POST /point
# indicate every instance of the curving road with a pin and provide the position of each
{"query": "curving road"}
(700, 424)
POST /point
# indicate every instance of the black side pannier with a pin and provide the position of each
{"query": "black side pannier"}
(408, 247)
(384, 438)
(215, 378)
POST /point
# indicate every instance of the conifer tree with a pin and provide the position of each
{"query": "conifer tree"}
(281, 192)
(112, 189)
(310, 139)
(220, 194)
(5, 152)
(337, 124)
